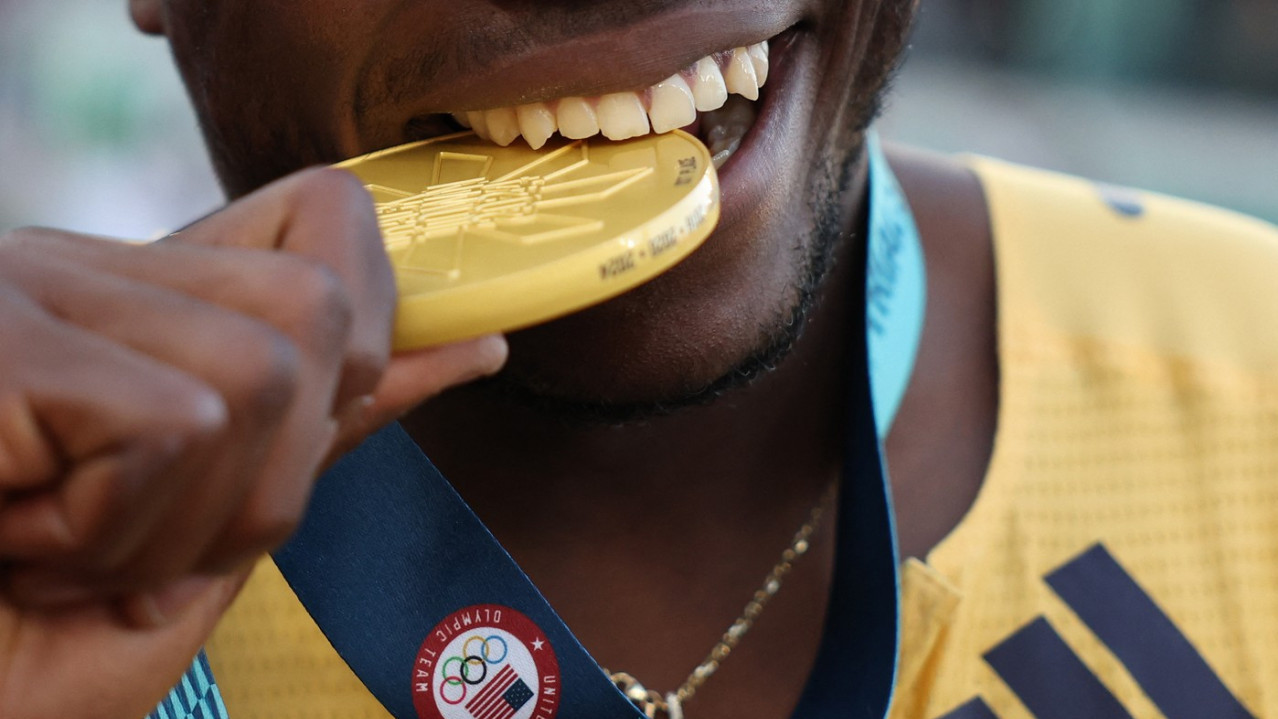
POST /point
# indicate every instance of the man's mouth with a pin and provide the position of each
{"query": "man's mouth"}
(714, 98)
(744, 104)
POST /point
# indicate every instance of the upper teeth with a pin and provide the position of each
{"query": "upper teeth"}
(670, 104)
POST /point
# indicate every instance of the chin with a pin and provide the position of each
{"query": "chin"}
(659, 344)
(706, 328)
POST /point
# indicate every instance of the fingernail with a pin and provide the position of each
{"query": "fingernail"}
(493, 351)
(166, 605)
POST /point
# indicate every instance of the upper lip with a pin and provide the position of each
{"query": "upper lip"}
(619, 59)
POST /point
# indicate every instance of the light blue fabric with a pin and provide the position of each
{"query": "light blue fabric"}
(195, 697)
(896, 290)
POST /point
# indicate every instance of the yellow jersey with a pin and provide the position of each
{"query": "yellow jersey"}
(1121, 559)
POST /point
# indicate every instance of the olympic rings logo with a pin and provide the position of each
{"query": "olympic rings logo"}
(470, 668)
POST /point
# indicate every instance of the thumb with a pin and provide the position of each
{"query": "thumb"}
(414, 377)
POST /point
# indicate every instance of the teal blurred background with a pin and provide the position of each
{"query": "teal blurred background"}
(1174, 95)
(95, 134)
(1179, 96)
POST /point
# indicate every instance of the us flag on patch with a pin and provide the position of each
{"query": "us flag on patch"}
(504, 695)
(486, 661)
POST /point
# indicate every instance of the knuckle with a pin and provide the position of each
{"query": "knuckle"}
(27, 458)
(360, 376)
(342, 199)
(364, 370)
(265, 374)
(267, 526)
(188, 417)
(337, 190)
(318, 311)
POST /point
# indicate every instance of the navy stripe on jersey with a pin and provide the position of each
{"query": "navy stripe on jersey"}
(975, 709)
(1050, 680)
(1143, 637)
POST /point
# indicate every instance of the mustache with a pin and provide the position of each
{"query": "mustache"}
(449, 57)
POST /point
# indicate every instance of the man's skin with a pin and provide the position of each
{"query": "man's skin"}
(649, 535)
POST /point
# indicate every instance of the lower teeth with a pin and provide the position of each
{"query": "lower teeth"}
(724, 129)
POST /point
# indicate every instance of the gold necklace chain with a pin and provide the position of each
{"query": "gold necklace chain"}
(653, 703)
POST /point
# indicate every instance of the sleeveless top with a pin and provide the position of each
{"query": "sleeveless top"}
(1121, 559)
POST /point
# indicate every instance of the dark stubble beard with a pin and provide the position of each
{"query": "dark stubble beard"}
(827, 238)
(778, 337)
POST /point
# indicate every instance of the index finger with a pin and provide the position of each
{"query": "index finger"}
(325, 215)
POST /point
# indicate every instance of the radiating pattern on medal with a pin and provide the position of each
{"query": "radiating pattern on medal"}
(489, 239)
(427, 231)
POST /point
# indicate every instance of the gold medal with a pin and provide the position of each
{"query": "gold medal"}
(492, 239)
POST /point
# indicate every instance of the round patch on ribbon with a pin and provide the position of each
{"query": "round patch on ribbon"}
(486, 662)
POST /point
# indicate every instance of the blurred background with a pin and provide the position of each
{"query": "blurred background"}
(1179, 96)
(95, 135)
(1174, 95)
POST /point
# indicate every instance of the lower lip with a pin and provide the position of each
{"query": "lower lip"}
(749, 176)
